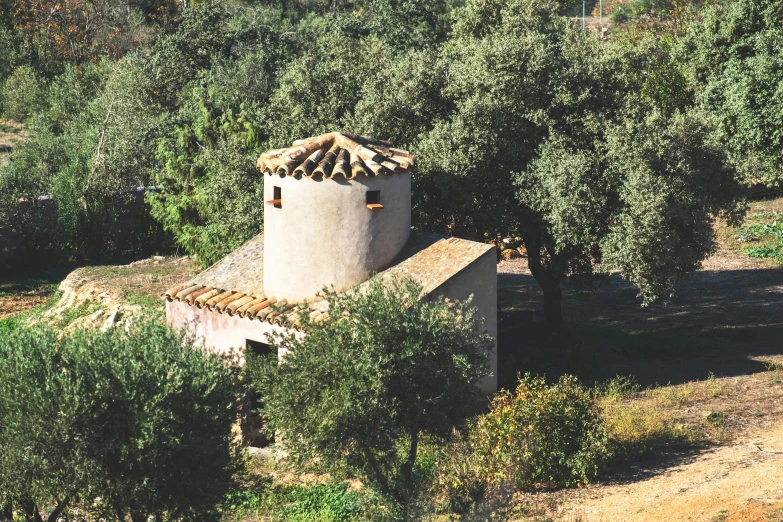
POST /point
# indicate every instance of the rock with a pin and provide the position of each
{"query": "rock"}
(509, 254)
(268, 453)
(97, 315)
(109, 323)
(158, 258)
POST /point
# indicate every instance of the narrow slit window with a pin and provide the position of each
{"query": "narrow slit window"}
(277, 195)
(374, 199)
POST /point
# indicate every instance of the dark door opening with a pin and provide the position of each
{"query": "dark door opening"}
(252, 422)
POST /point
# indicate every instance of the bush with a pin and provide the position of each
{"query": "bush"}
(21, 94)
(357, 389)
(134, 423)
(461, 480)
(329, 502)
(542, 436)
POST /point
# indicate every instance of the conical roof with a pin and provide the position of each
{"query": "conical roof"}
(337, 154)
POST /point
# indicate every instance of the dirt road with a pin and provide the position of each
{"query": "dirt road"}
(740, 481)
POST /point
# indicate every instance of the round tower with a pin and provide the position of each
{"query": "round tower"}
(337, 210)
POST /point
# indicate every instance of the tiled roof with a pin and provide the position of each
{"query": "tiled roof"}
(334, 154)
(234, 285)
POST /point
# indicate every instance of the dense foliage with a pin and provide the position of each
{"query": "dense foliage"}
(575, 161)
(525, 125)
(384, 368)
(542, 436)
(114, 423)
(734, 57)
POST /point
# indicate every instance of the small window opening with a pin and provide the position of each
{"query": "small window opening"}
(252, 423)
(258, 348)
(277, 194)
(374, 199)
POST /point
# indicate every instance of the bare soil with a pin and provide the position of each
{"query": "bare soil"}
(741, 480)
(21, 292)
(90, 295)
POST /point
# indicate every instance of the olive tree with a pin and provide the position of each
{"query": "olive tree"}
(733, 58)
(118, 424)
(546, 142)
(384, 367)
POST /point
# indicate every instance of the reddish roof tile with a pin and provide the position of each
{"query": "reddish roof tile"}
(334, 154)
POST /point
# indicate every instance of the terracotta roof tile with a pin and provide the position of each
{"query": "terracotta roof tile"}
(430, 259)
(336, 154)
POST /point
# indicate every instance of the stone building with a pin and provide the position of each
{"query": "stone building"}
(337, 211)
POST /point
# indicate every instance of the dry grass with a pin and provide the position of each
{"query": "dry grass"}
(683, 414)
(11, 133)
(145, 280)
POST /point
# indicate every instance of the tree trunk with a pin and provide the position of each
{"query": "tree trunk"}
(61, 505)
(31, 513)
(7, 513)
(408, 468)
(548, 278)
(553, 298)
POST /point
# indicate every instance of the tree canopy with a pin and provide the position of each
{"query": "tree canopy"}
(525, 125)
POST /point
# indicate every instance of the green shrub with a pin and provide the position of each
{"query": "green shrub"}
(772, 252)
(116, 423)
(21, 94)
(542, 436)
(329, 502)
(359, 388)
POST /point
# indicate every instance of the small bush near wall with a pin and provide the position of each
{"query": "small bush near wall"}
(540, 437)
(543, 436)
(117, 424)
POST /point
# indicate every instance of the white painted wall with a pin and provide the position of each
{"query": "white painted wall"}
(479, 279)
(324, 234)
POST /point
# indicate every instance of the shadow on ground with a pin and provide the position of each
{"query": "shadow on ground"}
(719, 323)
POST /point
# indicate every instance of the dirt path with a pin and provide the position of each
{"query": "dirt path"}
(734, 482)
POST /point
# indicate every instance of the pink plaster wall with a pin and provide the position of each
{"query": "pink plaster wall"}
(218, 331)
